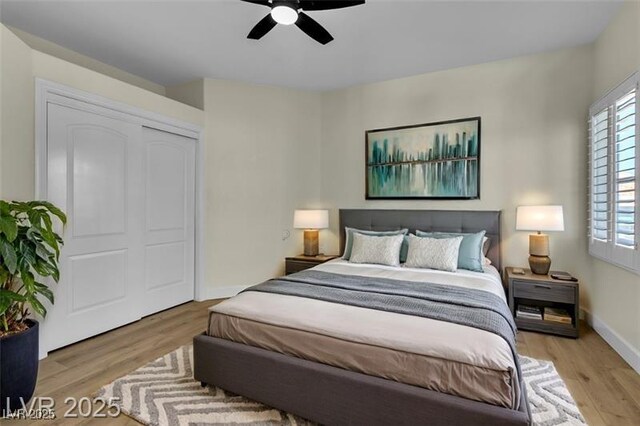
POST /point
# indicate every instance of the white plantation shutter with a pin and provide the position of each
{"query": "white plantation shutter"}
(600, 176)
(625, 170)
(614, 193)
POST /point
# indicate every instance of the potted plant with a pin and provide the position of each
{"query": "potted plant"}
(29, 254)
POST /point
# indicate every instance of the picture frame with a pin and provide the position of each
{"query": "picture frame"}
(431, 161)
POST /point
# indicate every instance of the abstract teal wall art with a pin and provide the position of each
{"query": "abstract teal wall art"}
(426, 161)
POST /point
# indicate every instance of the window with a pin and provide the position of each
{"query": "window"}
(614, 165)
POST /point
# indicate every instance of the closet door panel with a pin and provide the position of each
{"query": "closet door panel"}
(99, 179)
(165, 265)
(97, 279)
(92, 163)
(169, 219)
(166, 184)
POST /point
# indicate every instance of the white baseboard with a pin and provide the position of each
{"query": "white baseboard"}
(630, 354)
(221, 292)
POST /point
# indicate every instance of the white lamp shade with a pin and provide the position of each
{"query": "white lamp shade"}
(311, 219)
(539, 218)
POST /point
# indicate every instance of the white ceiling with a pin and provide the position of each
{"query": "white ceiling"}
(171, 42)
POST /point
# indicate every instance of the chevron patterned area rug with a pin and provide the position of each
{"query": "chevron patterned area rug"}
(164, 392)
(549, 399)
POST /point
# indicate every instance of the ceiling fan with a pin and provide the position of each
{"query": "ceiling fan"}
(288, 12)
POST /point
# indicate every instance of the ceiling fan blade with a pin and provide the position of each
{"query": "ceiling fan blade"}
(265, 25)
(327, 4)
(261, 2)
(314, 30)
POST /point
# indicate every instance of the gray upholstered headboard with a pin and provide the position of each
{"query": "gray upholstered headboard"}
(427, 220)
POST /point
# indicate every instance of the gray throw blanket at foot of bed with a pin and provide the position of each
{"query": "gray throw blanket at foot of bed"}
(465, 306)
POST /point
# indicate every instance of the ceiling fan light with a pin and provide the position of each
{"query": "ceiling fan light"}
(284, 15)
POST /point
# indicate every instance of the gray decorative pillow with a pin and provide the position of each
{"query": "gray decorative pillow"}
(348, 242)
(433, 253)
(382, 250)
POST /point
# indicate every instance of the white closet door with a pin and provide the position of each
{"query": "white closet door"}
(169, 220)
(93, 175)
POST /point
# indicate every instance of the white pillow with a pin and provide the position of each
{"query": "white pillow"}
(376, 249)
(433, 253)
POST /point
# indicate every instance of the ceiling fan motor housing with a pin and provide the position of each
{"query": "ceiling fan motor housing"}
(293, 4)
(284, 12)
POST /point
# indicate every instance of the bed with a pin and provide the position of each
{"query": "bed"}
(341, 364)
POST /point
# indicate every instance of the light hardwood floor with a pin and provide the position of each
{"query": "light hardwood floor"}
(606, 389)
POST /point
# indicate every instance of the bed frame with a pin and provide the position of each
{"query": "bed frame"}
(331, 395)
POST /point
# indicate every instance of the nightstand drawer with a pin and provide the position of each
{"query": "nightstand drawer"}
(544, 291)
(300, 263)
(293, 266)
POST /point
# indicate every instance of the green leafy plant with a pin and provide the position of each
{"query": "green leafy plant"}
(29, 253)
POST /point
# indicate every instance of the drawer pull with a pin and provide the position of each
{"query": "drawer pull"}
(546, 287)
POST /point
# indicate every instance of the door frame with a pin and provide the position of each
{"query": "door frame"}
(50, 92)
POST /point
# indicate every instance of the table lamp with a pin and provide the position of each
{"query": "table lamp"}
(539, 218)
(311, 221)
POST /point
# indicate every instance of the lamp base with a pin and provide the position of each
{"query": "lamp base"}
(539, 265)
(311, 238)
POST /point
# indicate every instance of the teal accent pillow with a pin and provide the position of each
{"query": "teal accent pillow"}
(348, 242)
(470, 256)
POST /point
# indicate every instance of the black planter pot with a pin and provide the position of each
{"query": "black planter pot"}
(18, 368)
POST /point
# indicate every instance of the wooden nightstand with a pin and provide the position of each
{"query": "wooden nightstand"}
(302, 262)
(544, 291)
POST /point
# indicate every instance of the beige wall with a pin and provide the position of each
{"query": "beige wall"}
(617, 49)
(262, 162)
(191, 93)
(17, 153)
(533, 149)
(615, 292)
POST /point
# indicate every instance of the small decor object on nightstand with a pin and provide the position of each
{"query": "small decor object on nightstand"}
(562, 276)
(539, 218)
(311, 221)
